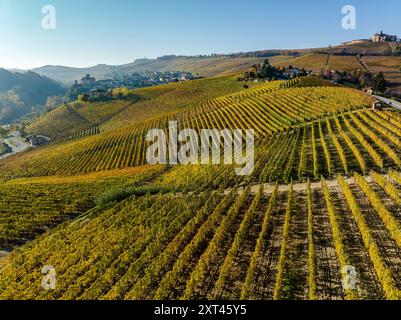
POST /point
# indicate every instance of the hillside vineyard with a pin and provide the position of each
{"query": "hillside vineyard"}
(269, 114)
(323, 200)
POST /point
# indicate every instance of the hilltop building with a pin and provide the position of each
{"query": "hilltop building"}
(88, 82)
(377, 37)
(382, 37)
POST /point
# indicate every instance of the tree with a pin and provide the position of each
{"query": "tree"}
(266, 62)
(252, 72)
(53, 102)
(267, 70)
(3, 132)
(365, 79)
(380, 83)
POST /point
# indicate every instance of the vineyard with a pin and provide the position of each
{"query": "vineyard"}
(322, 204)
(29, 210)
(345, 142)
(58, 122)
(30, 207)
(79, 119)
(272, 110)
(272, 244)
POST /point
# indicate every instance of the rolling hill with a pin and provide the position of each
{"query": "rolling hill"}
(140, 105)
(373, 57)
(23, 93)
(201, 67)
(218, 65)
(389, 65)
(324, 195)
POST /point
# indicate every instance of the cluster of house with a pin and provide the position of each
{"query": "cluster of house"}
(293, 72)
(287, 74)
(265, 72)
(96, 89)
(377, 37)
(333, 75)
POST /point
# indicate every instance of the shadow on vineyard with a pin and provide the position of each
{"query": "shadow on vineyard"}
(119, 193)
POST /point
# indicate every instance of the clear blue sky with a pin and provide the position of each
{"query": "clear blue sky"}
(89, 32)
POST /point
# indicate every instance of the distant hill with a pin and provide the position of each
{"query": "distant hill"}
(23, 93)
(389, 65)
(373, 56)
(68, 74)
(366, 49)
(199, 66)
(215, 65)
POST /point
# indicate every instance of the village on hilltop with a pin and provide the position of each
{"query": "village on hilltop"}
(93, 89)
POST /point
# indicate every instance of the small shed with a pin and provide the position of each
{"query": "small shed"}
(377, 105)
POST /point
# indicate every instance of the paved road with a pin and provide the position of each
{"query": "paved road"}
(16, 143)
(390, 102)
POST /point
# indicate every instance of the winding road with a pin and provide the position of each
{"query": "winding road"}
(393, 103)
(16, 143)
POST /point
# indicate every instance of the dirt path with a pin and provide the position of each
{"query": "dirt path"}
(16, 143)
(362, 63)
(269, 187)
(327, 61)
